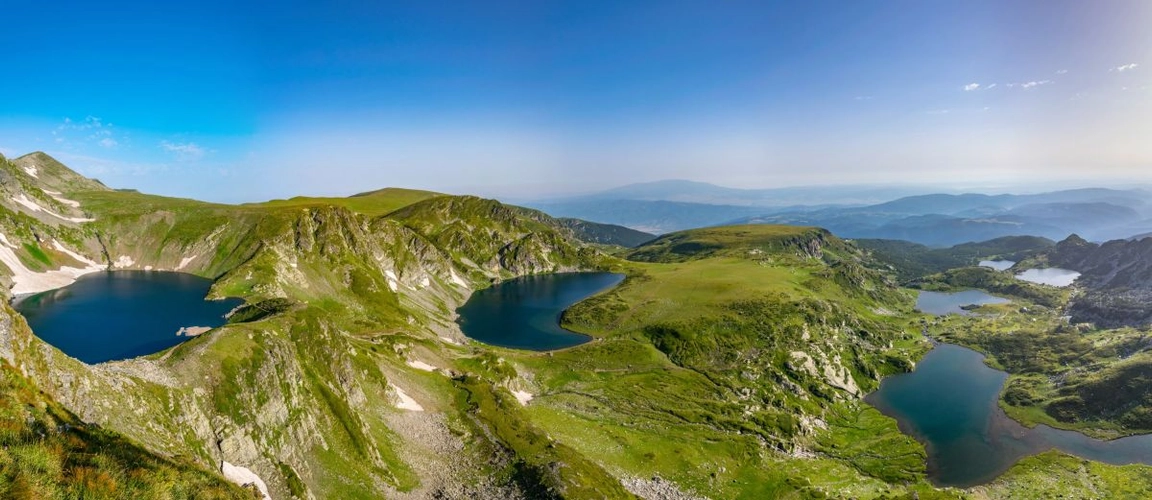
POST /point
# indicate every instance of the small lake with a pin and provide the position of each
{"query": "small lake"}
(524, 313)
(1053, 276)
(942, 303)
(999, 265)
(949, 403)
(122, 314)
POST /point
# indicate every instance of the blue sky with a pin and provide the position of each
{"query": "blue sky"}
(241, 103)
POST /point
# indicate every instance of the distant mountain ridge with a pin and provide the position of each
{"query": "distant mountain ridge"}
(937, 219)
(686, 191)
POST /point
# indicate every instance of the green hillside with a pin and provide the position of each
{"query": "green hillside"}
(47, 452)
(372, 203)
(730, 363)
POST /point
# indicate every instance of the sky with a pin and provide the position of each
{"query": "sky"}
(247, 101)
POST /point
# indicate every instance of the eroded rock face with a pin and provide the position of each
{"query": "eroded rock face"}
(273, 396)
(1117, 277)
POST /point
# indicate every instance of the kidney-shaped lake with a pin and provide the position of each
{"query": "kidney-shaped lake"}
(122, 314)
(524, 313)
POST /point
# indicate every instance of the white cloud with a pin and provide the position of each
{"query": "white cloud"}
(971, 87)
(1126, 67)
(1061, 72)
(184, 151)
(90, 130)
(864, 98)
(1030, 85)
(990, 87)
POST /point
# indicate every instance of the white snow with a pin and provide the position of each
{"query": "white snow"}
(185, 261)
(66, 201)
(424, 282)
(33, 206)
(405, 401)
(31, 169)
(56, 196)
(123, 261)
(523, 397)
(26, 281)
(74, 255)
(244, 477)
(420, 365)
(456, 279)
(391, 280)
(450, 340)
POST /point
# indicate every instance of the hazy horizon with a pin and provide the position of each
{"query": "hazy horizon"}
(526, 100)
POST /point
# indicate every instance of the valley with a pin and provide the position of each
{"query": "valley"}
(729, 362)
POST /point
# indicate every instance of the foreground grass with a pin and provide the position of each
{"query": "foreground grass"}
(46, 452)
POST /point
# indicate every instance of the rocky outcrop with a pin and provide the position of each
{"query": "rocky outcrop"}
(1116, 277)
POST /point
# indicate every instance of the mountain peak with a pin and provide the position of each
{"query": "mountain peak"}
(50, 173)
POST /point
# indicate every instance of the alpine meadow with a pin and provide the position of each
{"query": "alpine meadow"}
(560, 250)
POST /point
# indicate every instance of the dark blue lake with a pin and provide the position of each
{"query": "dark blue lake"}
(949, 403)
(122, 314)
(524, 313)
(942, 303)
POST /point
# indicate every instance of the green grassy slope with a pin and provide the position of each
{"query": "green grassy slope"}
(373, 203)
(730, 363)
(48, 452)
(735, 371)
(909, 260)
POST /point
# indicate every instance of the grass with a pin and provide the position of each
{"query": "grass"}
(691, 379)
(372, 204)
(46, 452)
(1092, 381)
(694, 377)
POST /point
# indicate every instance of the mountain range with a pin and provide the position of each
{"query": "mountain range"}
(931, 219)
(731, 362)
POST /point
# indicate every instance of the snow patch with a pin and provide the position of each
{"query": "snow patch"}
(456, 279)
(185, 261)
(420, 365)
(123, 261)
(31, 170)
(64, 249)
(391, 280)
(33, 206)
(424, 282)
(25, 281)
(66, 201)
(405, 402)
(523, 396)
(244, 477)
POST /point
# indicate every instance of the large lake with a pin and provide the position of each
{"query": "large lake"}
(1052, 276)
(949, 403)
(524, 313)
(952, 303)
(122, 314)
(999, 265)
